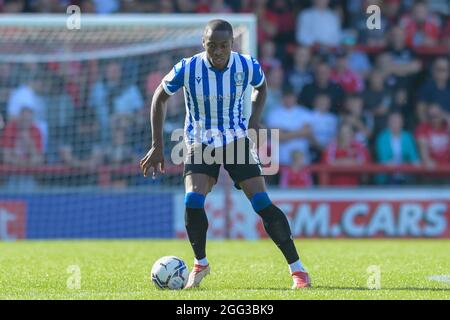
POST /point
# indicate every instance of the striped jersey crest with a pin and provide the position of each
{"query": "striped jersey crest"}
(214, 98)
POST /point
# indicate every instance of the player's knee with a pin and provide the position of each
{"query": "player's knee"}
(260, 201)
(194, 200)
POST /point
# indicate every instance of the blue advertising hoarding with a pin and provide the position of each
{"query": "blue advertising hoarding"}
(82, 215)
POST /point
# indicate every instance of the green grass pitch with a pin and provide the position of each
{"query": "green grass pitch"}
(240, 269)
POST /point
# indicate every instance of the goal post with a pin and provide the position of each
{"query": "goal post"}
(186, 30)
(89, 91)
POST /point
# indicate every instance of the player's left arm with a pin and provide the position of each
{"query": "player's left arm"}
(170, 84)
(259, 95)
(258, 100)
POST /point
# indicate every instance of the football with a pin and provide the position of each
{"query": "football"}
(169, 273)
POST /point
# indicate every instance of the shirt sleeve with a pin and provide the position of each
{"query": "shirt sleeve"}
(174, 80)
(258, 74)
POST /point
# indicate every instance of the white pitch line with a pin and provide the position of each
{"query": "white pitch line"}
(71, 295)
(441, 278)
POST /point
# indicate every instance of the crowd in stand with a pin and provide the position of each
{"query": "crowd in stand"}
(352, 95)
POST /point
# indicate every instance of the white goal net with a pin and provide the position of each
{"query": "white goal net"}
(74, 108)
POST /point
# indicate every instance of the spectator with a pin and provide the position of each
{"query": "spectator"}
(166, 6)
(383, 64)
(82, 150)
(401, 103)
(403, 62)
(22, 146)
(446, 34)
(31, 95)
(60, 115)
(274, 92)
(214, 6)
(318, 25)
(153, 79)
(436, 89)
(135, 6)
(395, 146)
(120, 150)
(345, 151)
(392, 10)
(322, 84)
(295, 133)
(358, 60)
(422, 28)
(141, 131)
(267, 22)
(433, 137)
(48, 6)
(185, 6)
(7, 84)
(323, 123)
(301, 72)
(114, 95)
(12, 6)
(355, 116)
(247, 6)
(268, 59)
(440, 7)
(219, 6)
(296, 175)
(69, 77)
(87, 6)
(106, 6)
(377, 100)
(348, 79)
(284, 19)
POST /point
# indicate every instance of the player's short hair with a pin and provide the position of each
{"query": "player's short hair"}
(219, 25)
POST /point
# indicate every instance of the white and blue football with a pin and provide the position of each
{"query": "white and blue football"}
(170, 273)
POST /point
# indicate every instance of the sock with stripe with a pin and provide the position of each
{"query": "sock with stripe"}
(276, 226)
(196, 223)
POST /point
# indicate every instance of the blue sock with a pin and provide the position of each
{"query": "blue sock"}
(260, 201)
(194, 200)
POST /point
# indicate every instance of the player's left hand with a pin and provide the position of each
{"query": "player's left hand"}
(154, 159)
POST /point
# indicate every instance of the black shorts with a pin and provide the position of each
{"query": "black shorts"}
(240, 165)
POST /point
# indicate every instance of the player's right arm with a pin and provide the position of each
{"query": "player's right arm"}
(173, 81)
(154, 158)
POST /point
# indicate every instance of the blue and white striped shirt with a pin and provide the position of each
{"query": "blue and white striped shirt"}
(214, 98)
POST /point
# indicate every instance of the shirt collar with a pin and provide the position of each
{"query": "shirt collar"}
(211, 67)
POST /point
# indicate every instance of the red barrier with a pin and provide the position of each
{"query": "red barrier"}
(323, 171)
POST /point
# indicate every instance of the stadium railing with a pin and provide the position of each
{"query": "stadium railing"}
(323, 172)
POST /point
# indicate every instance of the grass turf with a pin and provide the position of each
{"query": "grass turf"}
(240, 269)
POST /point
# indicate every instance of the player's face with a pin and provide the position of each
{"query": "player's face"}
(218, 46)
